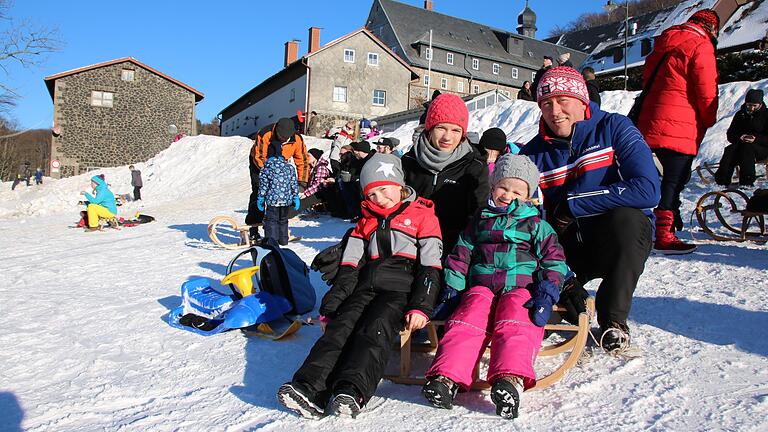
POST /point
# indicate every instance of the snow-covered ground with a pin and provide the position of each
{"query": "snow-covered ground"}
(84, 345)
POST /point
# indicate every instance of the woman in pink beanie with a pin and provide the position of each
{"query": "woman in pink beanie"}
(444, 167)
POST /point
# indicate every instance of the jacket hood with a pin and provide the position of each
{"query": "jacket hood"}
(518, 209)
(99, 181)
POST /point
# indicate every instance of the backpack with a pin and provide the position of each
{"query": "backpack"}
(281, 273)
(365, 123)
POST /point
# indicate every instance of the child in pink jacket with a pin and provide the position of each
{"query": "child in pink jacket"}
(510, 268)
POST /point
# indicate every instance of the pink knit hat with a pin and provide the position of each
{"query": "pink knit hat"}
(562, 81)
(447, 108)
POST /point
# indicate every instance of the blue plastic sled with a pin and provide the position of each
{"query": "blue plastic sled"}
(220, 312)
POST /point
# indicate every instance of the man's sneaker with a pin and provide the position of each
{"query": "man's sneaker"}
(346, 402)
(615, 337)
(440, 391)
(505, 394)
(291, 396)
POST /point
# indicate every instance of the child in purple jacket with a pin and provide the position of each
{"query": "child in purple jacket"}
(510, 268)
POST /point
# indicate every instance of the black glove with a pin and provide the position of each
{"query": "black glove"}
(447, 303)
(574, 299)
(562, 217)
(328, 260)
(342, 287)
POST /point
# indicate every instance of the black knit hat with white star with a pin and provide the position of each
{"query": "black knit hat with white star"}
(381, 170)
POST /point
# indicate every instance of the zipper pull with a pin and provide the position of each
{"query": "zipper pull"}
(434, 180)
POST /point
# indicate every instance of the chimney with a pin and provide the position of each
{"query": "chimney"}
(314, 39)
(291, 52)
(428, 5)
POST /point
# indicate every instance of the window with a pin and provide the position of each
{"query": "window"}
(373, 59)
(533, 76)
(475, 89)
(429, 53)
(496, 68)
(645, 47)
(349, 56)
(339, 94)
(460, 87)
(514, 73)
(293, 95)
(618, 54)
(379, 97)
(102, 98)
(238, 123)
(127, 75)
(475, 64)
(443, 83)
(426, 80)
(449, 58)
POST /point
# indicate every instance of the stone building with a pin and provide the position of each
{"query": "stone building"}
(466, 57)
(352, 77)
(116, 113)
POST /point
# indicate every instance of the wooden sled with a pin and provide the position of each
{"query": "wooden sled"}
(574, 344)
(225, 232)
(706, 171)
(735, 221)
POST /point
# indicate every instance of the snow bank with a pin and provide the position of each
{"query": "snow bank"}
(197, 165)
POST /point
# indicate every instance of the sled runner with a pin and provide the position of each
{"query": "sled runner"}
(735, 222)
(225, 232)
(706, 171)
(574, 345)
(281, 291)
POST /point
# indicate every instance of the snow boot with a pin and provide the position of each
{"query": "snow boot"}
(292, 396)
(346, 402)
(666, 241)
(505, 394)
(440, 391)
(615, 337)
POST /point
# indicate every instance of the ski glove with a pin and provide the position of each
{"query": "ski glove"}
(449, 300)
(260, 203)
(328, 260)
(543, 296)
(343, 286)
(562, 217)
(296, 202)
(573, 298)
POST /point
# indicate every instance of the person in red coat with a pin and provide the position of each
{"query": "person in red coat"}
(680, 107)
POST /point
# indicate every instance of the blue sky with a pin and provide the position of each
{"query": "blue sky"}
(221, 48)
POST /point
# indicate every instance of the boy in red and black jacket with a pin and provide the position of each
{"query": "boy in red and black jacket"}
(399, 237)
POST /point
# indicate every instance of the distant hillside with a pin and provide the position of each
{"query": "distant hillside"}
(594, 19)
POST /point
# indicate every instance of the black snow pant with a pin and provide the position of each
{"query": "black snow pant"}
(744, 156)
(355, 346)
(254, 216)
(136, 193)
(677, 173)
(613, 246)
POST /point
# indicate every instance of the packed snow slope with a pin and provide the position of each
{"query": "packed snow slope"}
(85, 346)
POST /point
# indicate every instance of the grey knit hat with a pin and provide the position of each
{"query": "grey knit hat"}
(380, 170)
(516, 166)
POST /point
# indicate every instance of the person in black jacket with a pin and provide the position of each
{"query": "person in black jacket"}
(398, 238)
(748, 135)
(546, 64)
(443, 167)
(594, 90)
(525, 92)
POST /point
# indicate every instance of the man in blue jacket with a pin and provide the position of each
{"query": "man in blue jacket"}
(599, 187)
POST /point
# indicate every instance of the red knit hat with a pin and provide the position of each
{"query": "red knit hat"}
(447, 108)
(707, 18)
(562, 81)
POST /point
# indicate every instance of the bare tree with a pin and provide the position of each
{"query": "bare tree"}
(24, 44)
(594, 19)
